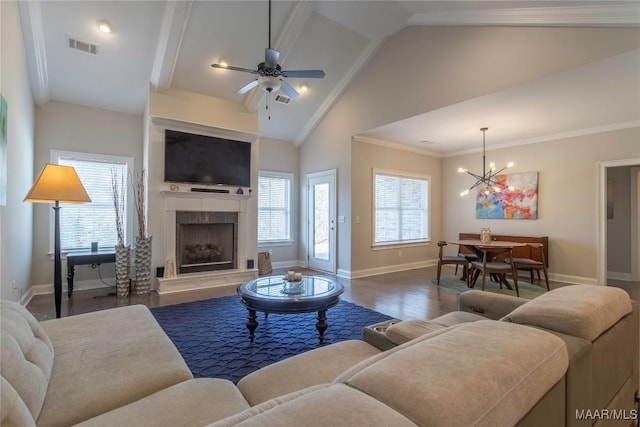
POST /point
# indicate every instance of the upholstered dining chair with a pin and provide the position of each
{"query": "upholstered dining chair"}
(533, 263)
(492, 264)
(450, 259)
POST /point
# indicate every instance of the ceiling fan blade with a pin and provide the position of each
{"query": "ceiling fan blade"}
(288, 90)
(246, 88)
(308, 74)
(232, 68)
(271, 57)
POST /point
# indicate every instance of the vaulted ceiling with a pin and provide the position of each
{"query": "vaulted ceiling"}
(172, 44)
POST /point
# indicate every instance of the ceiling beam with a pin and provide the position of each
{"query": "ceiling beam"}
(174, 24)
(33, 33)
(287, 38)
(625, 14)
(339, 89)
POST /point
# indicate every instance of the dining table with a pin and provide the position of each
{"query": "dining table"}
(479, 248)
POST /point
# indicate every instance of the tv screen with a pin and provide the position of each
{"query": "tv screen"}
(200, 159)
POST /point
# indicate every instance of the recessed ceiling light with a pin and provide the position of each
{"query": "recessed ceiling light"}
(104, 26)
(304, 87)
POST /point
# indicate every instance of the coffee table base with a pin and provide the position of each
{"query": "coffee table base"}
(252, 323)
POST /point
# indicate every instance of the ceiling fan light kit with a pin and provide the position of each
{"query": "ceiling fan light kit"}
(488, 178)
(270, 75)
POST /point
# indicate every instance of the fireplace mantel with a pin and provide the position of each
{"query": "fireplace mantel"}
(195, 201)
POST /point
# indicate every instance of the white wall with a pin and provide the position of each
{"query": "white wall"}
(16, 218)
(440, 66)
(71, 127)
(567, 202)
(282, 156)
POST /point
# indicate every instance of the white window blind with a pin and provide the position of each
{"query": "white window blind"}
(401, 208)
(81, 224)
(274, 206)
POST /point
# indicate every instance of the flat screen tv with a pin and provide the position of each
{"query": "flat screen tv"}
(200, 159)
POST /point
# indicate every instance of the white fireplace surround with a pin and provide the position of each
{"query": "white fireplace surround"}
(204, 202)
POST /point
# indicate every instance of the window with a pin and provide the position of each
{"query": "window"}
(401, 209)
(274, 206)
(81, 224)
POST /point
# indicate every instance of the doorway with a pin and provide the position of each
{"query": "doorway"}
(602, 219)
(321, 212)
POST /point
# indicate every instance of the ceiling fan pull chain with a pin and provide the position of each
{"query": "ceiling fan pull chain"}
(268, 102)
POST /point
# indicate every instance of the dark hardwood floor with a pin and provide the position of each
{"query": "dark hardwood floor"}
(403, 295)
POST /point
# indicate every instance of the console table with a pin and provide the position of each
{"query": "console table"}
(86, 258)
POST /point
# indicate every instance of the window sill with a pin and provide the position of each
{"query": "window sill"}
(276, 243)
(397, 245)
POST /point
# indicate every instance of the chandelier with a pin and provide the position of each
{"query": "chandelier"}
(487, 182)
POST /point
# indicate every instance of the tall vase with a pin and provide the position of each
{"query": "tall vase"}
(122, 271)
(143, 265)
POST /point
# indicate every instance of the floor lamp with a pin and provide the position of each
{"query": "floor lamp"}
(57, 184)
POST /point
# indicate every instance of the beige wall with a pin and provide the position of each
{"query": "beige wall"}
(364, 158)
(567, 200)
(71, 127)
(282, 156)
(16, 218)
(441, 66)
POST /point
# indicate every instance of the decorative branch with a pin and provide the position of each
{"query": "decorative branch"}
(118, 204)
(139, 190)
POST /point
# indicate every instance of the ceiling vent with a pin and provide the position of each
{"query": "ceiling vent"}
(86, 47)
(282, 99)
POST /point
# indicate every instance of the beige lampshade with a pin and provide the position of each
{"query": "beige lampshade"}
(57, 183)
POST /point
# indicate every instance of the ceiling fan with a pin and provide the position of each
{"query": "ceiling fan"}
(270, 74)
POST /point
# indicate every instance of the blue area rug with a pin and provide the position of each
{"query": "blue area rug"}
(212, 337)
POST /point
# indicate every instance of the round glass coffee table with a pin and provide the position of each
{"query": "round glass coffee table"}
(273, 294)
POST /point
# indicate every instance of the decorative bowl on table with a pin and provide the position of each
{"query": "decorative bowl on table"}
(293, 283)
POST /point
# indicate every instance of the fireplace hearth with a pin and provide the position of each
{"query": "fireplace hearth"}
(206, 241)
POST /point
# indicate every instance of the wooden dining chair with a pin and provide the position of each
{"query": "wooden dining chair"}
(492, 264)
(535, 262)
(450, 259)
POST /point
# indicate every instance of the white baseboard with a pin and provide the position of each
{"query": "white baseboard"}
(288, 264)
(614, 275)
(78, 285)
(386, 269)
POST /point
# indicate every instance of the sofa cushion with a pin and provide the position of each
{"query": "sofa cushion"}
(456, 318)
(318, 366)
(584, 311)
(107, 359)
(336, 405)
(13, 411)
(26, 355)
(405, 331)
(196, 402)
(483, 373)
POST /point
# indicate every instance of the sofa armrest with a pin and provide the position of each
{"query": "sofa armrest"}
(491, 305)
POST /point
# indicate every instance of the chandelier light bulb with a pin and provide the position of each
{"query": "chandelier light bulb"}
(510, 165)
(223, 63)
(464, 193)
(461, 170)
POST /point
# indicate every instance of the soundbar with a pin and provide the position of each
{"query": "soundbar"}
(210, 190)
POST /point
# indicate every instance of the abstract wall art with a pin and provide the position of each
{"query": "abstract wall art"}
(519, 203)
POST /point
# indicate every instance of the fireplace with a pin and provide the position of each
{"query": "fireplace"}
(206, 241)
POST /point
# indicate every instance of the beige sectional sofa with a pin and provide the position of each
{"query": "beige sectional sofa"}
(117, 367)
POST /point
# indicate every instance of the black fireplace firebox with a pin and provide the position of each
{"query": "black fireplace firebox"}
(206, 241)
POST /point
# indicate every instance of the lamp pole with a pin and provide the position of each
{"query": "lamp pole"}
(57, 263)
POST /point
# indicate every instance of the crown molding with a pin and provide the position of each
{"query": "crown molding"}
(174, 23)
(395, 145)
(623, 14)
(33, 30)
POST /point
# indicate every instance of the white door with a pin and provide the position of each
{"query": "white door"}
(321, 212)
